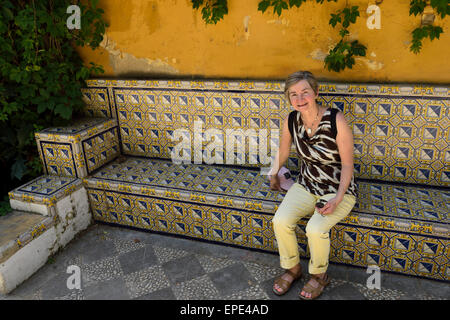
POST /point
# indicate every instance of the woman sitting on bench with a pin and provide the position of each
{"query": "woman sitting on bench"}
(325, 185)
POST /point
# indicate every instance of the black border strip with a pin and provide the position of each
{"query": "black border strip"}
(109, 103)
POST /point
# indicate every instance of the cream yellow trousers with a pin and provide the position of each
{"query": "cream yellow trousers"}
(299, 203)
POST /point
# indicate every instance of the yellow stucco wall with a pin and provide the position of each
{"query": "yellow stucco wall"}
(148, 38)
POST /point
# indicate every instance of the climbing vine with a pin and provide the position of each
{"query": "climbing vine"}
(41, 75)
(280, 5)
(427, 30)
(212, 10)
(341, 56)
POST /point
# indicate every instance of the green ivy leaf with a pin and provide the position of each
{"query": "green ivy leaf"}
(343, 32)
(358, 49)
(196, 3)
(441, 6)
(7, 13)
(213, 10)
(350, 15)
(419, 33)
(349, 62)
(335, 18)
(435, 32)
(416, 7)
(296, 3)
(263, 5)
(278, 6)
(416, 46)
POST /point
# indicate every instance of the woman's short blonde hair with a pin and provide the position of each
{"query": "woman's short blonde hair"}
(297, 77)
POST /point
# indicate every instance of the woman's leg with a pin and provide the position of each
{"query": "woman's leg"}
(318, 230)
(296, 204)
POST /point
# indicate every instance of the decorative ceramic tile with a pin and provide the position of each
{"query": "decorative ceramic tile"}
(78, 150)
(46, 189)
(239, 188)
(401, 131)
(401, 135)
(97, 102)
(235, 206)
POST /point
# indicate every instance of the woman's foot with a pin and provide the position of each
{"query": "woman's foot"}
(284, 282)
(315, 286)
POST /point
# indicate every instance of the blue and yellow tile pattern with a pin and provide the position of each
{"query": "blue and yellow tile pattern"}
(401, 228)
(402, 162)
(401, 133)
(78, 150)
(46, 189)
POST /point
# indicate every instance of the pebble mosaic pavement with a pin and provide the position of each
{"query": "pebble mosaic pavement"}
(124, 264)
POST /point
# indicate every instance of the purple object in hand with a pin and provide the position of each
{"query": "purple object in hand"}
(285, 177)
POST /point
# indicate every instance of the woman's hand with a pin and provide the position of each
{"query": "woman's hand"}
(274, 182)
(329, 207)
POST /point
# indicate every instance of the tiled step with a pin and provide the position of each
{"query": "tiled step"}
(47, 214)
(18, 228)
(401, 228)
(26, 241)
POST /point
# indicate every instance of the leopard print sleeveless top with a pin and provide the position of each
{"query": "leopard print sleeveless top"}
(320, 163)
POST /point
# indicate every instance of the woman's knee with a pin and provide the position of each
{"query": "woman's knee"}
(316, 231)
(278, 221)
(281, 222)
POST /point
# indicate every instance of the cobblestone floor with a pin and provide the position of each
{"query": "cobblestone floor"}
(119, 263)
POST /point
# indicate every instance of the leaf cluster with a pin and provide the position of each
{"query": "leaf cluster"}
(280, 5)
(212, 11)
(41, 75)
(342, 55)
(345, 17)
(442, 7)
(420, 33)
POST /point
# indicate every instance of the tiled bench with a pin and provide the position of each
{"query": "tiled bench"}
(402, 157)
(399, 228)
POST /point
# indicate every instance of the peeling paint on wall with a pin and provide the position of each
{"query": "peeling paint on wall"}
(284, 22)
(246, 27)
(125, 64)
(371, 64)
(167, 37)
(243, 38)
(318, 54)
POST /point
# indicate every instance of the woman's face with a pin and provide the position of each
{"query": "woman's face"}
(301, 96)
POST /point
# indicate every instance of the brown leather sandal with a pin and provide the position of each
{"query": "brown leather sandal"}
(315, 292)
(285, 285)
